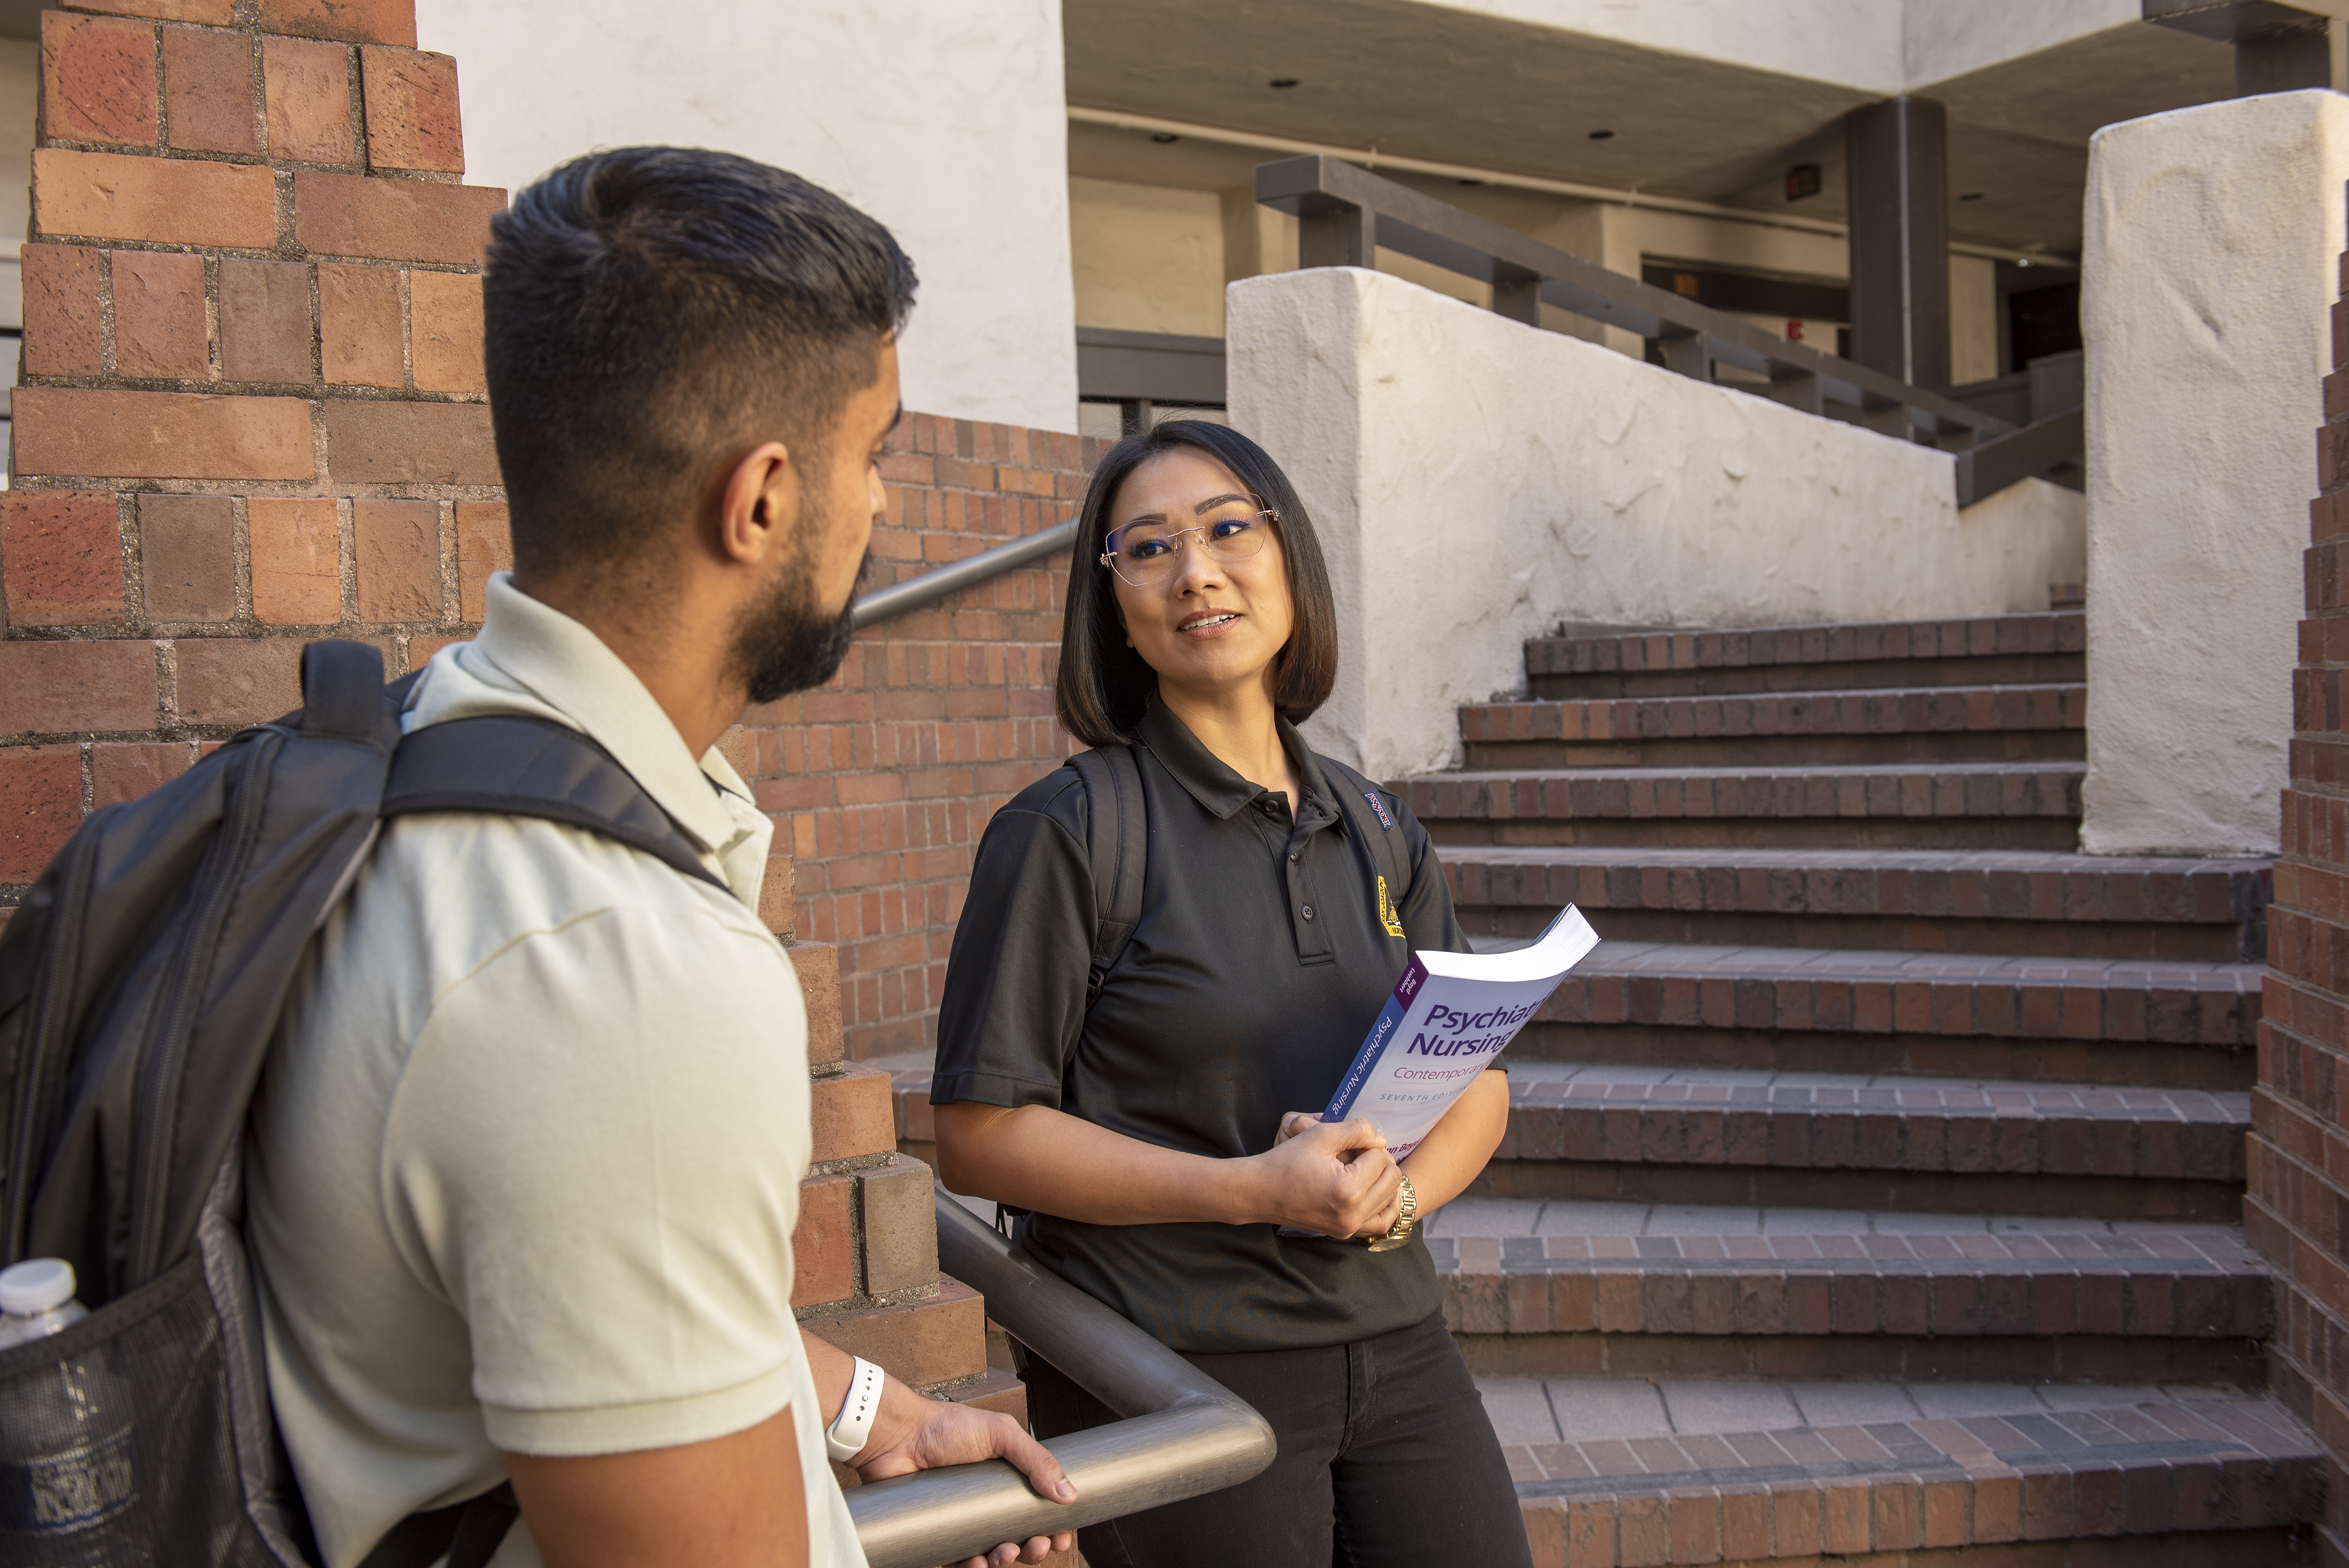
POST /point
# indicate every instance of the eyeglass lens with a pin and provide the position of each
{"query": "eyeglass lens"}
(1146, 551)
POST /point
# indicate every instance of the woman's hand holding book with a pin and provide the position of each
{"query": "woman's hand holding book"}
(1335, 1178)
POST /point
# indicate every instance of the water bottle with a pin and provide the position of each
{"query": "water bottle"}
(67, 1471)
(37, 1300)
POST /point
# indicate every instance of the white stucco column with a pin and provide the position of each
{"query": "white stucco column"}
(947, 122)
(1475, 483)
(2214, 240)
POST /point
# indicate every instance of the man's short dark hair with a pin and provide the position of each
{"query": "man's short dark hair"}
(1105, 686)
(646, 311)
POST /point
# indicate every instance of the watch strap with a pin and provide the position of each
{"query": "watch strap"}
(850, 1430)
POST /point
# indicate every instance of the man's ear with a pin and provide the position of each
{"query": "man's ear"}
(759, 504)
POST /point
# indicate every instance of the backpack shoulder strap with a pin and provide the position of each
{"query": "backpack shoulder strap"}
(1119, 845)
(519, 765)
(1370, 818)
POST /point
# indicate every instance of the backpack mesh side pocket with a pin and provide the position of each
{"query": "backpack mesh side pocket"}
(115, 1439)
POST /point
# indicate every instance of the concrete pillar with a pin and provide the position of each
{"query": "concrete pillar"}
(2213, 239)
(1900, 201)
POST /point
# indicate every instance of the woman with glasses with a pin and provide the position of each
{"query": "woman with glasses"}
(1153, 1107)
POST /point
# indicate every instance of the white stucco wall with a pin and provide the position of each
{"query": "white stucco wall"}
(1882, 46)
(2213, 240)
(1475, 483)
(946, 120)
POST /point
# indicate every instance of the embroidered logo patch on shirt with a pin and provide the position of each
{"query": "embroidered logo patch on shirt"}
(1381, 808)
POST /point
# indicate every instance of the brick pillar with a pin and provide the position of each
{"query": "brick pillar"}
(2297, 1209)
(251, 414)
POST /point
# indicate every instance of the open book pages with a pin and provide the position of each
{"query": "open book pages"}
(1449, 1016)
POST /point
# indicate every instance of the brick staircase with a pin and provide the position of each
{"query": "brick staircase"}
(1876, 1186)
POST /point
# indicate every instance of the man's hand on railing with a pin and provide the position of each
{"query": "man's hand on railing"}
(911, 1433)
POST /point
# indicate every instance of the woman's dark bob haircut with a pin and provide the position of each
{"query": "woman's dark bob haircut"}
(1105, 686)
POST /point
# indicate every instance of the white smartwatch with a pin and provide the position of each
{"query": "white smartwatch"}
(845, 1438)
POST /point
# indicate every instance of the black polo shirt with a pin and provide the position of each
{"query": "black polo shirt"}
(1259, 965)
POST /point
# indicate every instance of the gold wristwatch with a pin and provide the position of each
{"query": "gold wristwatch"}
(1404, 1221)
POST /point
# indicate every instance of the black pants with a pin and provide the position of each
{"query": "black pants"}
(1386, 1458)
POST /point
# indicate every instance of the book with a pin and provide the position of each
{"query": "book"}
(1450, 1015)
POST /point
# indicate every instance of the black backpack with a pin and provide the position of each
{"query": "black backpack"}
(141, 982)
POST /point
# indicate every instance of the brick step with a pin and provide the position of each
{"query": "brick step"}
(2024, 1058)
(1698, 1136)
(2004, 1475)
(2003, 649)
(1741, 1291)
(1870, 992)
(1926, 724)
(931, 1337)
(1986, 901)
(2030, 805)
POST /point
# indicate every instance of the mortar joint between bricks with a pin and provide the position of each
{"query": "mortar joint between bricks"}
(341, 392)
(166, 154)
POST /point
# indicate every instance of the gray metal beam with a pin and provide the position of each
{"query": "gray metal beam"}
(1413, 224)
(1156, 367)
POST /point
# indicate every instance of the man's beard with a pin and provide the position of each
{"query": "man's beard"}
(786, 643)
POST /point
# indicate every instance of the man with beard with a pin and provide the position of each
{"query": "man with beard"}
(525, 1160)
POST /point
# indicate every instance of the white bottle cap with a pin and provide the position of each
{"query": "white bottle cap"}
(35, 1285)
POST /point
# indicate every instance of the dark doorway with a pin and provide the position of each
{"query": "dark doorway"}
(2043, 320)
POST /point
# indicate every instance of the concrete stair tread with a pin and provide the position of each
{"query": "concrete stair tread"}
(1893, 964)
(1605, 1084)
(2050, 632)
(1827, 770)
(1833, 790)
(1869, 710)
(1506, 1218)
(2195, 1250)
(1528, 1411)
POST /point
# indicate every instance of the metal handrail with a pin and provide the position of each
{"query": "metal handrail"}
(1345, 211)
(1184, 1433)
(930, 586)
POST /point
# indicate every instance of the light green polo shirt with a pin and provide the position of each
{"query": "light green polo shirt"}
(525, 1159)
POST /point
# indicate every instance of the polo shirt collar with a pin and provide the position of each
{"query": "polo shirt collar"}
(572, 671)
(1212, 782)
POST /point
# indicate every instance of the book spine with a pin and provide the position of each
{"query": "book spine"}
(1389, 1024)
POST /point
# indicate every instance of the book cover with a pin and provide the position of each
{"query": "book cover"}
(1450, 1015)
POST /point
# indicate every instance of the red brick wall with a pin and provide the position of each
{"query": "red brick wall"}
(886, 776)
(2297, 1210)
(251, 414)
(252, 408)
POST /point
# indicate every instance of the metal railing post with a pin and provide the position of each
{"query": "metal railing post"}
(1336, 234)
(1517, 294)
